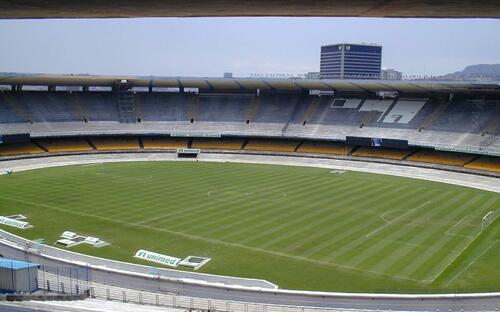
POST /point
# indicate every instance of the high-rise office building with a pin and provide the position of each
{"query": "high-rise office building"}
(351, 61)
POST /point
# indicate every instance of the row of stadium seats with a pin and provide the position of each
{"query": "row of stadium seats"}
(65, 145)
(460, 115)
(80, 144)
(162, 143)
(20, 149)
(320, 147)
(485, 163)
(443, 158)
(272, 145)
(230, 144)
(116, 143)
(375, 152)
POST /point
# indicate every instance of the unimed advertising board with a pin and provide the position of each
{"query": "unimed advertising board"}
(156, 257)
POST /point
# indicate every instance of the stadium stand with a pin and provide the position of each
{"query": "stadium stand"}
(485, 163)
(231, 144)
(229, 108)
(253, 109)
(271, 145)
(65, 145)
(115, 143)
(276, 108)
(438, 108)
(160, 106)
(167, 143)
(439, 157)
(377, 152)
(192, 113)
(19, 149)
(311, 122)
(321, 147)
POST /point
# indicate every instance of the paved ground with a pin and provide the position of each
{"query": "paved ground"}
(93, 305)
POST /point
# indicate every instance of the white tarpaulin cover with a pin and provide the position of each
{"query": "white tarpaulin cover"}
(14, 223)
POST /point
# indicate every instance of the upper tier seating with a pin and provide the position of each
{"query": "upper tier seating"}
(469, 124)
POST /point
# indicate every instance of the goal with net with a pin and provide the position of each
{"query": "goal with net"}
(488, 219)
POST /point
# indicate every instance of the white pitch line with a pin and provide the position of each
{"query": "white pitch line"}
(456, 224)
(94, 164)
(472, 262)
(401, 216)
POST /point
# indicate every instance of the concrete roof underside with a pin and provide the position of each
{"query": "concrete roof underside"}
(192, 8)
(252, 84)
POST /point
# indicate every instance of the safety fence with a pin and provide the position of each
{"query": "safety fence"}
(77, 281)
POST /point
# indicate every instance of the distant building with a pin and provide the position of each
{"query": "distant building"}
(351, 61)
(312, 75)
(391, 74)
(228, 75)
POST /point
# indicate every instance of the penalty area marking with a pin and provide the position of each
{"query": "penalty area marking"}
(472, 262)
(450, 233)
(396, 219)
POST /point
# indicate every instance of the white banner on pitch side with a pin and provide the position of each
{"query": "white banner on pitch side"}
(14, 223)
(156, 257)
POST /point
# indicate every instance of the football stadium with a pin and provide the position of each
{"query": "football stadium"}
(317, 185)
(353, 188)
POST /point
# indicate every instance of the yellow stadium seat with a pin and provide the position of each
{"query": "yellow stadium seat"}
(19, 149)
(375, 152)
(443, 158)
(116, 143)
(65, 145)
(485, 163)
(324, 148)
(164, 143)
(217, 143)
(271, 145)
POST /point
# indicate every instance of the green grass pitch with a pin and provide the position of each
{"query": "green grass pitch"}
(301, 228)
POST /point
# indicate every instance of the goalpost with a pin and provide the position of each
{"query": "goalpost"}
(488, 219)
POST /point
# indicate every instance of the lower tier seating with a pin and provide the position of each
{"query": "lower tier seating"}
(271, 145)
(164, 143)
(80, 144)
(324, 148)
(376, 152)
(485, 163)
(66, 145)
(233, 144)
(19, 149)
(443, 158)
(116, 143)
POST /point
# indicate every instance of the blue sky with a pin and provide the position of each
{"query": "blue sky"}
(211, 46)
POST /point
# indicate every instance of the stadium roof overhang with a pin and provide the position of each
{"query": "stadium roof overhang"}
(190, 8)
(252, 84)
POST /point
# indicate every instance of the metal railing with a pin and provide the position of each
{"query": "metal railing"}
(76, 281)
